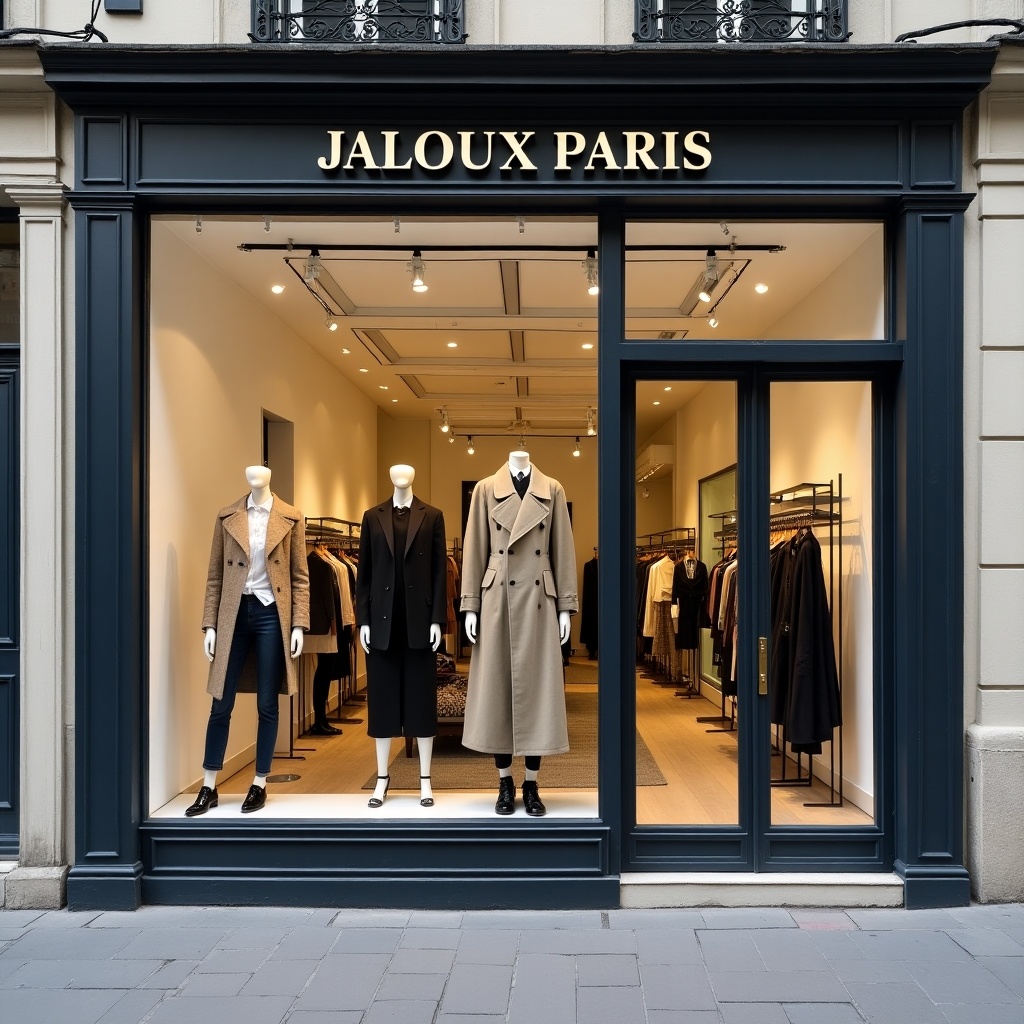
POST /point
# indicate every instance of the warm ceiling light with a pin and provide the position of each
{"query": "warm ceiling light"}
(453, 344)
(470, 450)
(712, 321)
(445, 425)
(760, 287)
(451, 439)
(363, 369)
(346, 351)
(576, 450)
(711, 276)
(331, 324)
(418, 272)
(668, 388)
(590, 269)
(383, 387)
(394, 401)
(311, 271)
(277, 288)
(591, 423)
(588, 345)
(656, 403)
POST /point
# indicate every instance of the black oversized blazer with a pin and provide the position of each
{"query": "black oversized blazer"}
(425, 569)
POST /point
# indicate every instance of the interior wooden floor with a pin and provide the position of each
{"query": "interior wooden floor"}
(700, 767)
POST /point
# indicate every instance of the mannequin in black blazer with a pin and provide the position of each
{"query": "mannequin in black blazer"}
(401, 588)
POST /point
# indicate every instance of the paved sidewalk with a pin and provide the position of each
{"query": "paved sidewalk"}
(179, 965)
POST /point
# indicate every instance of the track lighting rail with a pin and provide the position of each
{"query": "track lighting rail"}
(408, 249)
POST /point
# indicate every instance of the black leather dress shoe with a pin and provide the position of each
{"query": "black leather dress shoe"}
(205, 799)
(324, 729)
(254, 799)
(506, 802)
(532, 801)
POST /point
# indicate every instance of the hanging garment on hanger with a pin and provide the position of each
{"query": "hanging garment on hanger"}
(690, 592)
(589, 608)
(324, 606)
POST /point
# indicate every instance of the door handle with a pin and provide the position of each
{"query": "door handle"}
(762, 666)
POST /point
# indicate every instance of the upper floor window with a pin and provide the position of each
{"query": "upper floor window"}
(741, 21)
(358, 21)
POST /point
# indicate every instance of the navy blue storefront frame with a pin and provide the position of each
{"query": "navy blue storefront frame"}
(866, 133)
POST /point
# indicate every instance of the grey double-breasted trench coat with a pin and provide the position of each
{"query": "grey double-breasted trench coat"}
(229, 569)
(518, 573)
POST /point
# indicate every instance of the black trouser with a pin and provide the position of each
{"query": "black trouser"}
(505, 761)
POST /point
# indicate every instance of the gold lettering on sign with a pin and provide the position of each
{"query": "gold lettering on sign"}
(447, 150)
(390, 147)
(691, 146)
(635, 150)
(361, 151)
(467, 151)
(330, 163)
(671, 163)
(602, 151)
(564, 151)
(518, 152)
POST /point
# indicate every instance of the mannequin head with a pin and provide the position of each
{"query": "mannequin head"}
(519, 462)
(402, 476)
(257, 477)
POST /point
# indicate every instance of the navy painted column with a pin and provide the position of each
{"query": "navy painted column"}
(929, 647)
(109, 536)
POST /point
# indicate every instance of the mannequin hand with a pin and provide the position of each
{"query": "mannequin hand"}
(297, 637)
(364, 638)
(210, 643)
(471, 623)
(435, 636)
(564, 624)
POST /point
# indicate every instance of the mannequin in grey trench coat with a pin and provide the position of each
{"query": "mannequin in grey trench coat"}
(518, 592)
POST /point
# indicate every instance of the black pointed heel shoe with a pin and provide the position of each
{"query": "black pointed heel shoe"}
(426, 801)
(532, 801)
(205, 799)
(506, 802)
(254, 799)
(373, 801)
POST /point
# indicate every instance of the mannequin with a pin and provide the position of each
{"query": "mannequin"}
(401, 668)
(257, 585)
(518, 536)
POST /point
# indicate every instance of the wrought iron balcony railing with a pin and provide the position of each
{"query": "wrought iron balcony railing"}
(358, 21)
(741, 21)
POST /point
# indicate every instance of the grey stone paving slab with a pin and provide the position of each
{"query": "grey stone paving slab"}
(24, 1006)
(411, 986)
(788, 950)
(422, 961)
(171, 975)
(607, 970)
(11, 934)
(1017, 934)
(823, 1013)
(773, 987)
(519, 920)
(436, 919)
(823, 920)
(73, 944)
(544, 989)
(661, 920)
(478, 988)
(205, 986)
(960, 1014)
(304, 943)
(253, 938)
(986, 942)
(233, 1010)
(672, 946)
(404, 1012)
(1008, 969)
(488, 947)
(902, 920)
(280, 978)
(910, 945)
(64, 919)
(895, 1004)
(430, 938)
(322, 917)
(871, 972)
(725, 917)
(571, 941)
(684, 1017)
(676, 987)
(471, 1018)
(837, 945)
(166, 943)
(19, 918)
(233, 961)
(963, 983)
(325, 1017)
(345, 982)
(82, 974)
(610, 1006)
(371, 919)
(730, 951)
(132, 1007)
(367, 940)
(9, 966)
(1000, 915)
(753, 1013)
(224, 918)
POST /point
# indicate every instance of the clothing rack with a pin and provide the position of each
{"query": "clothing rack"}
(332, 529)
(806, 506)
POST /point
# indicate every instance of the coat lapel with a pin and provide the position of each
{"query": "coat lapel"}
(384, 518)
(237, 525)
(278, 526)
(535, 507)
(507, 508)
(416, 517)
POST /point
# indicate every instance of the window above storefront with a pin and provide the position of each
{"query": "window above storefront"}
(741, 21)
(358, 21)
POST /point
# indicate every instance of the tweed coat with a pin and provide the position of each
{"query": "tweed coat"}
(229, 568)
(518, 573)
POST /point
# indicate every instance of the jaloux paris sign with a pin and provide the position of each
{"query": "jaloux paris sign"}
(508, 151)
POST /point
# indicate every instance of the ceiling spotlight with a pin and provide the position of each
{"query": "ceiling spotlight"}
(669, 388)
(576, 450)
(311, 271)
(394, 401)
(445, 425)
(417, 271)
(277, 288)
(712, 321)
(266, 225)
(451, 439)
(470, 450)
(711, 275)
(591, 423)
(760, 287)
(383, 387)
(453, 344)
(588, 345)
(330, 323)
(363, 369)
(346, 351)
(646, 493)
(590, 269)
(656, 403)
(199, 225)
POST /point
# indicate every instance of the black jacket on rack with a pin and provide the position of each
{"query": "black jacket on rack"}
(324, 603)
(589, 627)
(691, 594)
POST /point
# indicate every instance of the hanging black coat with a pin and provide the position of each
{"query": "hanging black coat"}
(691, 594)
(588, 608)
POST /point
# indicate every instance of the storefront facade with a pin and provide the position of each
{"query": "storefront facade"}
(865, 135)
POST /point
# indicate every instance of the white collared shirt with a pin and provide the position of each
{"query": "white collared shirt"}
(258, 582)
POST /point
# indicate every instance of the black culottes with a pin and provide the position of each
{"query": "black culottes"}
(401, 692)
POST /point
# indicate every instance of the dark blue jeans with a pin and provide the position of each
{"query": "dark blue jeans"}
(257, 626)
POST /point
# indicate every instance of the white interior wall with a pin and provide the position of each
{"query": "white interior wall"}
(403, 442)
(217, 360)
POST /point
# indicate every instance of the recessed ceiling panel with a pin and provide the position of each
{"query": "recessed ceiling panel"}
(379, 281)
(561, 345)
(468, 385)
(439, 344)
(564, 385)
(556, 283)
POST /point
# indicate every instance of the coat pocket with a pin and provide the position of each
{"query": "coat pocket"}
(488, 579)
(549, 584)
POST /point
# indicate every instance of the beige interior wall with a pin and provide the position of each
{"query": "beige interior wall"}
(217, 360)
(403, 442)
